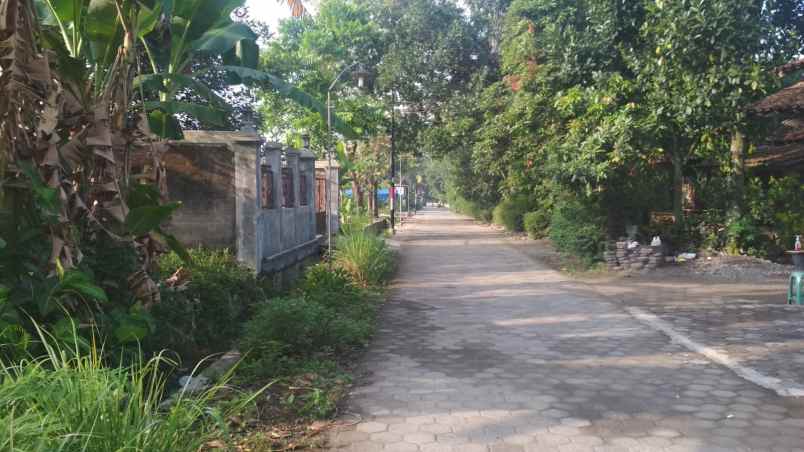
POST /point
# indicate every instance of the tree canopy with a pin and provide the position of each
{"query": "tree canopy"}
(545, 99)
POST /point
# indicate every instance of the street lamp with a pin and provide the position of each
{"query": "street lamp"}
(392, 189)
(361, 77)
(407, 187)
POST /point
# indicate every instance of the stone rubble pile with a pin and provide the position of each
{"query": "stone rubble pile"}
(638, 258)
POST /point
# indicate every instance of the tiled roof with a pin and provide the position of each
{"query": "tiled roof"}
(790, 131)
(788, 100)
(777, 157)
(790, 67)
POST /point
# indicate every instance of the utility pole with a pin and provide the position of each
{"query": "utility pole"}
(330, 142)
(391, 190)
(401, 186)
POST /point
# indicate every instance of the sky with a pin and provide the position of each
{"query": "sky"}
(269, 11)
(272, 11)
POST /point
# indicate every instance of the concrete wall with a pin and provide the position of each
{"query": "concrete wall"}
(218, 176)
(289, 232)
(333, 174)
(244, 147)
(202, 177)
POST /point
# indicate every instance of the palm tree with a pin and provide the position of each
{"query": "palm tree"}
(296, 7)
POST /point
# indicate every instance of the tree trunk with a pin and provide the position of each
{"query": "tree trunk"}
(375, 205)
(370, 199)
(357, 192)
(677, 159)
(738, 150)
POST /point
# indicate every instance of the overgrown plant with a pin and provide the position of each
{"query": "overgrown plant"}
(537, 223)
(300, 339)
(364, 256)
(577, 228)
(67, 132)
(204, 312)
(68, 400)
(510, 212)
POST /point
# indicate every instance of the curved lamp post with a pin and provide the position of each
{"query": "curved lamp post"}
(361, 81)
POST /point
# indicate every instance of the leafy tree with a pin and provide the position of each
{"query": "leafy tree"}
(700, 64)
(311, 53)
(488, 19)
(197, 32)
(428, 58)
(594, 97)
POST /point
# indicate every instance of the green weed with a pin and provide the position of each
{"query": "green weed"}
(70, 401)
(365, 257)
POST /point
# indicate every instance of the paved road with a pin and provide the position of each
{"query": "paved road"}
(482, 349)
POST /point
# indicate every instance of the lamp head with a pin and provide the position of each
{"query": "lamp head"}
(362, 76)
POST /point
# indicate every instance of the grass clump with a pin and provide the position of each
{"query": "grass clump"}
(364, 256)
(70, 401)
(328, 315)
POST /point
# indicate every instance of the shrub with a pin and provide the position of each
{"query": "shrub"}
(94, 292)
(471, 208)
(330, 287)
(89, 281)
(577, 229)
(510, 212)
(364, 256)
(536, 223)
(206, 316)
(292, 321)
(484, 215)
(777, 206)
(354, 307)
(288, 330)
(69, 402)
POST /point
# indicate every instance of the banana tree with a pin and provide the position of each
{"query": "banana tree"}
(203, 30)
(66, 73)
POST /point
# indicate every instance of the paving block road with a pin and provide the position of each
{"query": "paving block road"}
(482, 349)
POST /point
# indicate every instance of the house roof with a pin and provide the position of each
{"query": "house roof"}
(788, 100)
(785, 156)
(790, 67)
(785, 147)
(790, 131)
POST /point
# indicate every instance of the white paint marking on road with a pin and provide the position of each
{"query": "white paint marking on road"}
(774, 384)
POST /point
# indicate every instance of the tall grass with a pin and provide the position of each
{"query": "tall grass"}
(364, 256)
(356, 223)
(66, 401)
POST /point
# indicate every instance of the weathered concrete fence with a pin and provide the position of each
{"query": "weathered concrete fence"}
(241, 193)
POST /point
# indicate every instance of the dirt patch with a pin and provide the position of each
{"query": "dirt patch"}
(732, 268)
(711, 268)
(736, 279)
